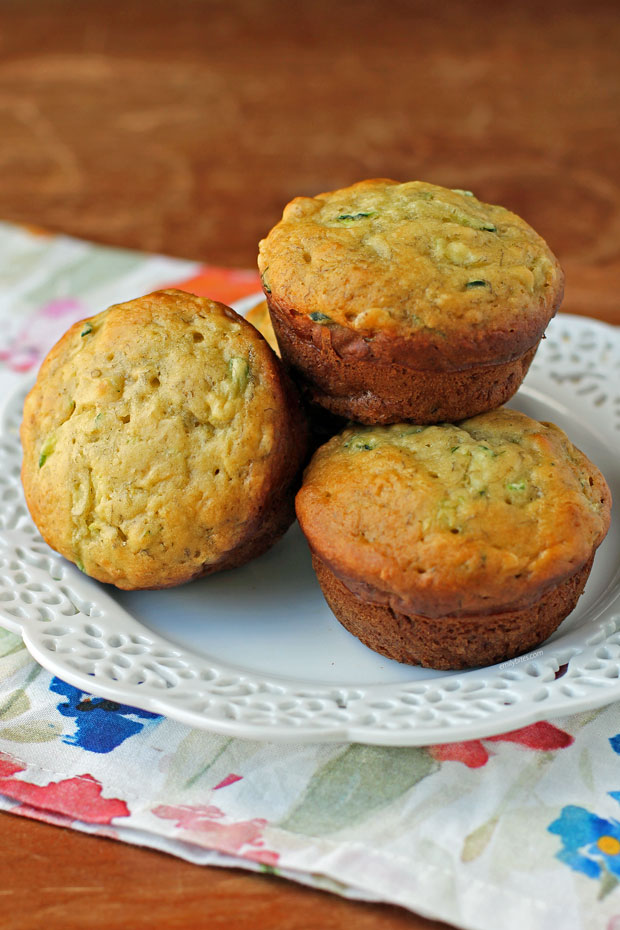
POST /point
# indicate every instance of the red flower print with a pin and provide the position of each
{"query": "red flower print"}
(229, 780)
(225, 837)
(60, 820)
(9, 766)
(472, 753)
(264, 856)
(540, 735)
(77, 798)
(226, 284)
(40, 332)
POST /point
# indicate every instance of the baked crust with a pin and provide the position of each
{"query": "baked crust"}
(322, 422)
(380, 288)
(417, 351)
(161, 442)
(451, 642)
(371, 390)
(481, 517)
(412, 273)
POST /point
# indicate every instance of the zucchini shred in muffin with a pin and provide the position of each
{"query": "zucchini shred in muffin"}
(407, 301)
(453, 546)
(161, 442)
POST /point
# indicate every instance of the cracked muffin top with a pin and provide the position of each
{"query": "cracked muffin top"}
(415, 263)
(444, 520)
(157, 438)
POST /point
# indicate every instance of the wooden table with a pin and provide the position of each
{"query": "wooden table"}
(184, 128)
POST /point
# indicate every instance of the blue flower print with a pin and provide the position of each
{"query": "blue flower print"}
(102, 725)
(591, 844)
(615, 743)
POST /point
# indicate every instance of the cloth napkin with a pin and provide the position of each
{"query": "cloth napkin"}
(516, 831)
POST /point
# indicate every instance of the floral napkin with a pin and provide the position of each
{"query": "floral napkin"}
(516, 831)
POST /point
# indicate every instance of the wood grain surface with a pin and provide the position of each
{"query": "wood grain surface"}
(184, 127)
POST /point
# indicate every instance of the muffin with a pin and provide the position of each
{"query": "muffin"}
(407, 301)
(259, 317)
(453, 546)
(161, 442)
(322, 424)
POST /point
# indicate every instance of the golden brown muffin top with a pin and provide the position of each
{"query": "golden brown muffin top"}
(152, 438)
(414, 261)
(454, 519)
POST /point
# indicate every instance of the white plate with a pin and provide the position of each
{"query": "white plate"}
(256, 653)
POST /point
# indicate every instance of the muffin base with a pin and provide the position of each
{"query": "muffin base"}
(375, 391)
(274, 520)
(451, 642)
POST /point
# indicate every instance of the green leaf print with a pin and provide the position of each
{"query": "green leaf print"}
(13, 655)
(15, 704)
(609, 883)
(31, 732)
(88, 270)
(477, 841)
(351, 787)
(10, 642)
